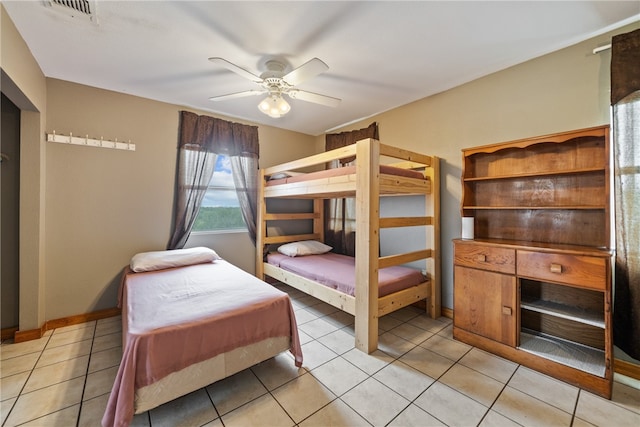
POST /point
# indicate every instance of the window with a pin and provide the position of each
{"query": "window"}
(220, 209)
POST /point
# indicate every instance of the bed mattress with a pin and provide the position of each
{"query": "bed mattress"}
(347, 170)
(338, 272)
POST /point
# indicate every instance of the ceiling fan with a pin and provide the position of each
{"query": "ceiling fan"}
(275, 83)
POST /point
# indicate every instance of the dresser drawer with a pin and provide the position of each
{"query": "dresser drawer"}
(585, 271)
(485, 257)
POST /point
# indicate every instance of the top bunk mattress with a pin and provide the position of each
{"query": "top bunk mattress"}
(288, 178)
(338, 272)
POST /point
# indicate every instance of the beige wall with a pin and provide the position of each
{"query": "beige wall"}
(104, 205)
(567, 89)
(24, 84)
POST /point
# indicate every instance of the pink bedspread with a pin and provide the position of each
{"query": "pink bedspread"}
(338, 272)
(180, 316)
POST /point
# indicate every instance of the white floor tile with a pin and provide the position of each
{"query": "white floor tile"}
(264, 410)
(338, 341)
(64, 352)
(554, 392)
(489, 364)
(92, 411)
(376, 402)
(338, 385)
(303, 396)
(315, 354)
(64, 417)
(413, 416)
(277, 371)
(403, 379)
(11, 386)
(194, 409)
(236, 390)
(427, 362)
(451, 407)
(477, 386)
(99, 382)
(339, 375)
(46, 400)
(18, 364)
(528, 410)
(494, 419)
(370, 363)
(602, 412)
(57, 373)
(411, 333)
(446, 347)
(335, 414)
(317, 328)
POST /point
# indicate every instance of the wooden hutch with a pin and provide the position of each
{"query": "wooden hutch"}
(534, 285)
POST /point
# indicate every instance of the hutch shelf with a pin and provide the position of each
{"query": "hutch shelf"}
(534, 285)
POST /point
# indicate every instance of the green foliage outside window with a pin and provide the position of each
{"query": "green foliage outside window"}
(219, 218)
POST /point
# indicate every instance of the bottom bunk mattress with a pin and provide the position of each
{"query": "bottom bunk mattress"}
(204, 322)
(338, 272)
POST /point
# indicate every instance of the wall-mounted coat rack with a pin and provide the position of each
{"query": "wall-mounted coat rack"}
(91, 142)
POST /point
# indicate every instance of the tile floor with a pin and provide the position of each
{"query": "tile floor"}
(419, 376)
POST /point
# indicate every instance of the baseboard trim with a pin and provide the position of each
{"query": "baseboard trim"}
(82, 318)
(34, 334)
(446, 312)
(626, 368)
(8, 333)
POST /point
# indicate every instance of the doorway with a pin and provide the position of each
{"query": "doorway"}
(10, 215)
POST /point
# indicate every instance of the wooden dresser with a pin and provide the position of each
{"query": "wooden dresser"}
(534, 285)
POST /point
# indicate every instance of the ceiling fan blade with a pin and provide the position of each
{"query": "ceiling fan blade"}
(316, 98)
(306, 71)
(237, 95)
(236, 69)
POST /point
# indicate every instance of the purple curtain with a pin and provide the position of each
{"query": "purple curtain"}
(200, 140)
(340, 227)
(625, 101)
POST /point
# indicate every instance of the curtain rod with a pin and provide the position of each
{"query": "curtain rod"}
(601, 48)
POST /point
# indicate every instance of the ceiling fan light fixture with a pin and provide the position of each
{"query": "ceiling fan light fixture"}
(274, 106)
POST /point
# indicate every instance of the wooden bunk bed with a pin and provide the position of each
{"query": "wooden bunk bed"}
(367, 182)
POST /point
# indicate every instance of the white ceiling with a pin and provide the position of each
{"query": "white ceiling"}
(381, 55)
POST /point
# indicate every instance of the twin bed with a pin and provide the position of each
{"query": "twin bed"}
(190, 318)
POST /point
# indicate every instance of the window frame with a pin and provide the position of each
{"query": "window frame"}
(244, 228)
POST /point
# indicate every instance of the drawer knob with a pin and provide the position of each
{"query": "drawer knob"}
(556, 268)
(481, 258)
(506, 310)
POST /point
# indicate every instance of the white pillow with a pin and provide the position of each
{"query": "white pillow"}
(158, 260)
(285, 174)
(304, 247)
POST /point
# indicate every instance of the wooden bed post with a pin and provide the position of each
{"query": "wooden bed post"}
(318, 219)
(367, 244)
(435, 304)
(261, 227)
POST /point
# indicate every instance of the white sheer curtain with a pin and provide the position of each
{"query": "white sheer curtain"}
(200, 140)
(245, 178)
(625, 100)
(626, 125)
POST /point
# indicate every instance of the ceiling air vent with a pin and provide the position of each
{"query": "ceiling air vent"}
(76, 8)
